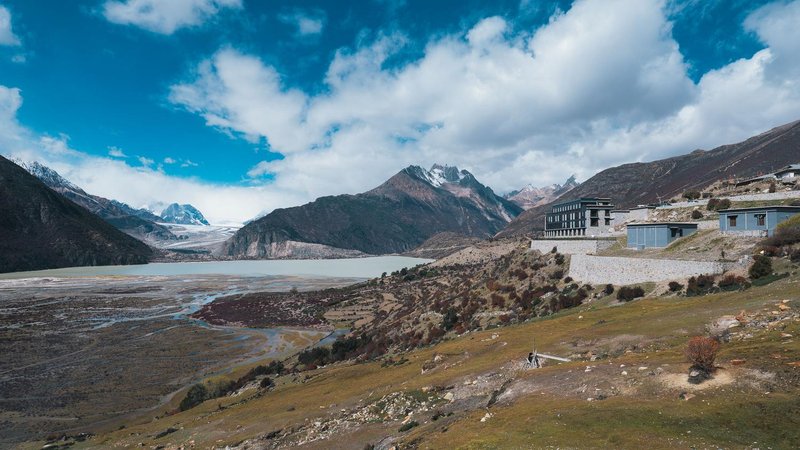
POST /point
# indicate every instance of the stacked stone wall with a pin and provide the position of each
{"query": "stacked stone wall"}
(624, 271)
(572, 246)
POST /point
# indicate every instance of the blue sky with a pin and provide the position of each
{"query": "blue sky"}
(278, 102)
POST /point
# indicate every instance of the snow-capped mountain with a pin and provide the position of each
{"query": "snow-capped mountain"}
(531, 196)
(183, 214)
(396, 216)
(138, 223)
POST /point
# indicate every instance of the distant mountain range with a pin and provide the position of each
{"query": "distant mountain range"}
(397, 216)
(139, 223)
(633, 184)
(531, 196)
(42, 229)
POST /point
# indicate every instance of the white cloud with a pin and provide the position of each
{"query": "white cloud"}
(306, 22)
(164, 16)
(146, 162)
(601, 84)
(116, 152)
(169, 160)
(7, 36)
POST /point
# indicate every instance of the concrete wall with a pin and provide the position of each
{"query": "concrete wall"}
(633, 215)
(708, 225)
(572, 246)
(624, 271)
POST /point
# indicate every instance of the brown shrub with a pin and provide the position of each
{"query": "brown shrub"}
(498, 301)
(701, 351)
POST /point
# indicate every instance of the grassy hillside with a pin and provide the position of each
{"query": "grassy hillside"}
(624, 387)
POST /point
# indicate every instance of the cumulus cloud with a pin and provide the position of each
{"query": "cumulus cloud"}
(305, 22)
(601, 84)
(7, 36)
(116, 152)
(164, 16)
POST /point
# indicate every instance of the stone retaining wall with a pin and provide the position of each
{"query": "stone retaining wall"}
(738, 198)
(623, 271)
(572, 246)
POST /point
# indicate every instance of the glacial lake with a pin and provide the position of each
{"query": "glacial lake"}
(343, 268)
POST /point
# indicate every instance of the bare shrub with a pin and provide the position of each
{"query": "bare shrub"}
(701, 352)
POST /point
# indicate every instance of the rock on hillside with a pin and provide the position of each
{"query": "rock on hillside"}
(397, 216)
(41, 229)
(642, 183)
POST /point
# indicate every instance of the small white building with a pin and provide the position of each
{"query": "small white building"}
(789, 174)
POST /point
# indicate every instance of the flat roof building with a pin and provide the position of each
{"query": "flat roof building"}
(579, 217)
(756, 221)
(657, 235)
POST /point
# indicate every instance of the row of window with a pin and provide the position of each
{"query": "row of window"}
(761, 220)
(569, 207)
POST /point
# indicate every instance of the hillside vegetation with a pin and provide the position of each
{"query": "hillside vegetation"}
(436, 360)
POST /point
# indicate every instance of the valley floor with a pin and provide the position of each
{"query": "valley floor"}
(625, 387)
(92, 353)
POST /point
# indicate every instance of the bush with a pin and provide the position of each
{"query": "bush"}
(197, 394)
(716, 204)
(701, 352)
(557, 274)
(700, 285)
(762, 267)
(559, 259)
(609, 289)
(674, 286)
(691, 195)
(732, 282)
(568, 280)
(450, 319)
(628, 293)
(408, 426)
(786, 233)
(696, 214)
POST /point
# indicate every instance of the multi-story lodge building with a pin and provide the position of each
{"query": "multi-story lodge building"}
(579, 217)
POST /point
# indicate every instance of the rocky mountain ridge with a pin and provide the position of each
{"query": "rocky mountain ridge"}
(42, 229)
(396, 216)
(530, 196)
(139, 223)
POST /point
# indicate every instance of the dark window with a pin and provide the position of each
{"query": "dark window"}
(732, 221)
(761, 220)
(608, 222)
(595, 222)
